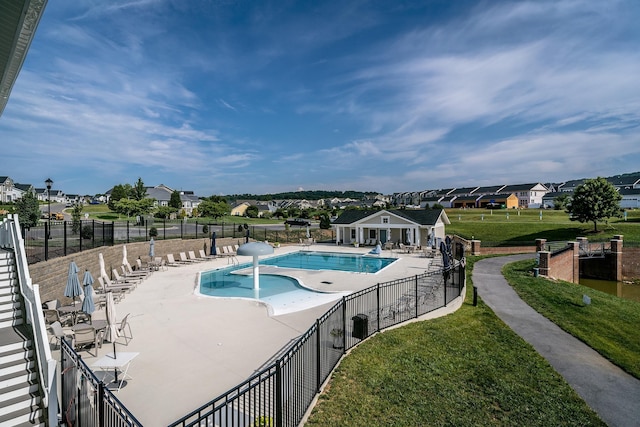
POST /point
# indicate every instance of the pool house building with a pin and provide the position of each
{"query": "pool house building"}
(406, 226)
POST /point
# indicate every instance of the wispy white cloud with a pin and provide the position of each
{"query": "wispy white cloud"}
(238, 97)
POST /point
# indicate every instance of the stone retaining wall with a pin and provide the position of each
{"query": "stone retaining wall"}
(52, 275)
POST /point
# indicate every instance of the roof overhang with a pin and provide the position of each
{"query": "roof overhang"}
(18, 22)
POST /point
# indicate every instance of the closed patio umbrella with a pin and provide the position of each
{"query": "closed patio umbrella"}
(103, 270)
(125, 261)
(152, 251)
(213, 243)
(112, 325)
(73, 288)
(88, 305)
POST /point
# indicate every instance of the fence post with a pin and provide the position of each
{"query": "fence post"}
(127, 231)
(64, 239)
(344, 324)
(318, 357)
(113, 232)
(164, 228)
(80, 243)
(279, 392)
(444, 276)
(101, 406)
(196, 229)
(46, 241)
(416, 296)
(378, 306)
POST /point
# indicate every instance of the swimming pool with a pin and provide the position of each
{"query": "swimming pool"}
(226, 282)
(330, 261)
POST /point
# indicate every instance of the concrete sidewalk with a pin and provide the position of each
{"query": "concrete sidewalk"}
(612, 393)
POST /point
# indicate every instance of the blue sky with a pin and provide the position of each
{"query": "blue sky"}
(224, 97)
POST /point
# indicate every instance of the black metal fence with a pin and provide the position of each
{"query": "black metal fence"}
(86, 401)
(280, 394)
(65, 240)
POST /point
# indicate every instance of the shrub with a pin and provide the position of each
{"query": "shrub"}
(87, 232)
(153, 232)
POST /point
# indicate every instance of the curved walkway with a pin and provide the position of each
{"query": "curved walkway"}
(612, 393)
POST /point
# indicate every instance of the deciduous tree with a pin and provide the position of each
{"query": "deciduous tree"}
(594, 200)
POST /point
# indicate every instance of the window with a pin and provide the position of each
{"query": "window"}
(385, 220)
(372, 234)
(353, 233)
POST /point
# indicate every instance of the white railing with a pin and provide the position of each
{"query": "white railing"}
(11, 238)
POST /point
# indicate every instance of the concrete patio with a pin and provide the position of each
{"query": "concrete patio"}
(194, 348)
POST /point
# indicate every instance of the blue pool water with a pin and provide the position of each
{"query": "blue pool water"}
(330, 261)
(225, 283)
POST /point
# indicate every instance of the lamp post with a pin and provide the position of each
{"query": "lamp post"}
(49, 183)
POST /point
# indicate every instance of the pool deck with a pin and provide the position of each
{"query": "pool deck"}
(194, 348)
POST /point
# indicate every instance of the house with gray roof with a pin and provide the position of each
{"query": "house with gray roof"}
(409, 226)
(529, 195)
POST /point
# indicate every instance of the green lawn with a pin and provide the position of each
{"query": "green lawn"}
(467, 368)
(609, 324)
(493, 228)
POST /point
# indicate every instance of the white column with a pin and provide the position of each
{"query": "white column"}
(256, 274)
(337, 235)
(360, 235)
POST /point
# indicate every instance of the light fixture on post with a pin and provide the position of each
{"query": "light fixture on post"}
(49, 183)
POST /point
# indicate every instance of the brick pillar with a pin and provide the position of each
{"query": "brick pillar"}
(616, 257)
(540, 244)
(475, 247)
(545, 258)
(575, 247)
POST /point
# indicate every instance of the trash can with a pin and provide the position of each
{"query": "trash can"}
(360, 326)
(536, 272)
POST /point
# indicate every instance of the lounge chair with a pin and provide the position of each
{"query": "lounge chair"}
(171, 262)
(123, 280)
(184, 259)
(127, 272)
(204, 256)
(193, 257)
(107, 286)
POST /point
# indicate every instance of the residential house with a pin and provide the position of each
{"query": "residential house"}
(57, 196)
(529, 195)
(240, 208)
(410, 226)
(625, 181)
(8, 192)
(630, 198)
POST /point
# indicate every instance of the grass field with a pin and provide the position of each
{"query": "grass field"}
(464, 369)
(521, 227)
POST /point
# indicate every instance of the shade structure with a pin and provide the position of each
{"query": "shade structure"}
(152, 249)
(73, 288)
(103, 270)
(255, 249)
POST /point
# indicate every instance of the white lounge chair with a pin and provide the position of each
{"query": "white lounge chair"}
(193, 257)
(203, 255)
(171, 262)
(184, 259)
(120, 280)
